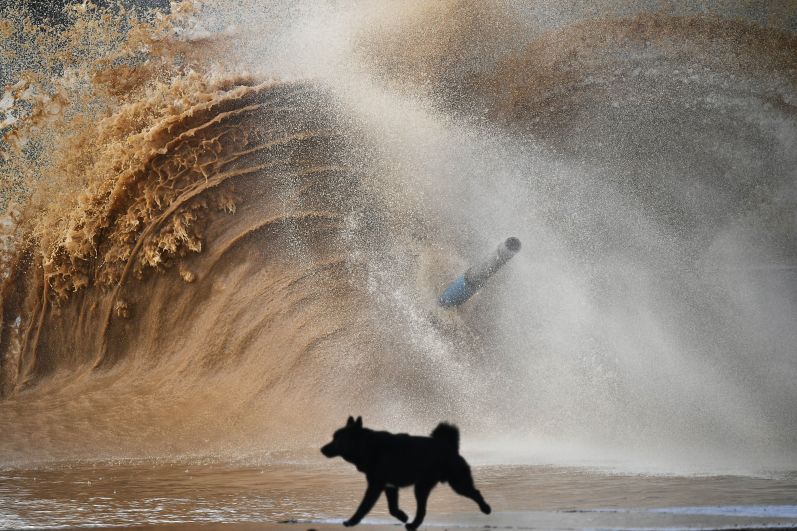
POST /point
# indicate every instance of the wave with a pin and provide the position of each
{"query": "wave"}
(199, 258)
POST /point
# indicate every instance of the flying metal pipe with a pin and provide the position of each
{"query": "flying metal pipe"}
(465, 285)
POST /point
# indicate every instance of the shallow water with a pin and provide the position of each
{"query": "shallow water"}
(151, 493)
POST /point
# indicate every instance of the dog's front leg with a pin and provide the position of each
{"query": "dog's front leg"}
(371, 495)
(391, 493)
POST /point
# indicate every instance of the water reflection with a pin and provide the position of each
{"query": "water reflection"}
(147, 493)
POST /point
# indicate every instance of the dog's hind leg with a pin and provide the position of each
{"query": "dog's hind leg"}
(371, 495)
(422, 491)
(461, 481)
(391, 493)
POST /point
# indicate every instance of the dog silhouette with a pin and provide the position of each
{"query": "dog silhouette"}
(394, 460)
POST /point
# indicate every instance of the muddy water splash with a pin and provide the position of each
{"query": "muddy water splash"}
(209, 261)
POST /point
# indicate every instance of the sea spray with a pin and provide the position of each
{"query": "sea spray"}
(197, 248)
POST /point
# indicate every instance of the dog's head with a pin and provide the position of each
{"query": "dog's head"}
(345, 441)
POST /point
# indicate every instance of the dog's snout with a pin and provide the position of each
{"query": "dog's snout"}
(327, 450)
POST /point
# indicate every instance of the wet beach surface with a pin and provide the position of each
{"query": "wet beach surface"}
(206, 495)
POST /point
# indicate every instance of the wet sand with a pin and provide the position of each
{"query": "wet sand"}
(314, 494)
(512, 520)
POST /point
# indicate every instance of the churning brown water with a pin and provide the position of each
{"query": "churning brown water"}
(226, 228)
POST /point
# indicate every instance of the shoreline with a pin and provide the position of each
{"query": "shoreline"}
(650, 519)
(321, 495)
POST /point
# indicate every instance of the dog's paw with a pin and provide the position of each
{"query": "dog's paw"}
(349, 523)
(485, 508)
(401, 515)
(411, 526)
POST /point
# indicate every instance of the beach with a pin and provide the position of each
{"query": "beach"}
(318, 495)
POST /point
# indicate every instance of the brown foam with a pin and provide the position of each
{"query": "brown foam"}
(154, 157)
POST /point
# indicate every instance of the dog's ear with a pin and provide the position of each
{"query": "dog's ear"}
(358, 423)
(350, 422)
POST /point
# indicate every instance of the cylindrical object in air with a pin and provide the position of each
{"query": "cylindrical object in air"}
(465, 285)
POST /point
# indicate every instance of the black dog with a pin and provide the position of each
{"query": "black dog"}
(390, 461)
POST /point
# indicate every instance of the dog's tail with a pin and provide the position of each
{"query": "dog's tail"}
(448, 434)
